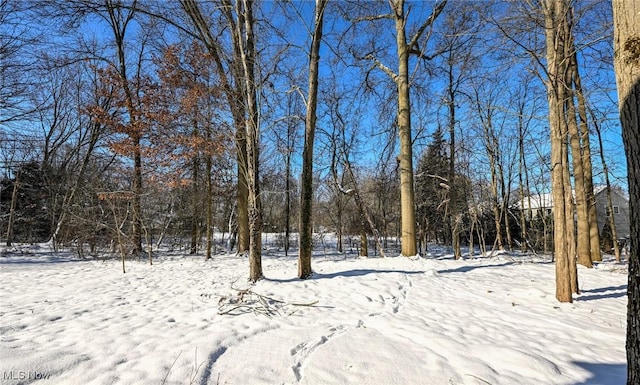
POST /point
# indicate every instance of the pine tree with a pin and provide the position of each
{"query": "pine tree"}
(431, 189)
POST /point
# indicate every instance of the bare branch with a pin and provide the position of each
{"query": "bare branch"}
(382, 67)
(387, 16)
(434, 15)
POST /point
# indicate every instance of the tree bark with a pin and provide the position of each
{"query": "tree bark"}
(594, 235)
(246, 43)
(306, 190)
(605, 171)
(403, 119)
(582, 213)
(454, 210)
(581, 160)
(626, 44)
(287, 209)
(195, 209)
(209, 203)
(407, 205)
(554, 13)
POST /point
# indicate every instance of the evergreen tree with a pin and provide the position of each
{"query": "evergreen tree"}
(431, 190)
(31, 220)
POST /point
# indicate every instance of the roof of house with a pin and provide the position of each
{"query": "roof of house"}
(537, 202)
(545, 201)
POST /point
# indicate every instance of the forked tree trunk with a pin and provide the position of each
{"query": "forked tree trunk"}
(583, 229)
(246, 44)
(594, 235)
(581, 160)
(554, 13)
(403, 119)
(626, 44)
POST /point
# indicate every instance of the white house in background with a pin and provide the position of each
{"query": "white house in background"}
(543, 204)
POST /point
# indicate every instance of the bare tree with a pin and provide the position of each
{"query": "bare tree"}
(607, 182)
(557, 28)
(70, 137)
(405, 47)
(231, 76)
(340, 154)
(16, 40)
(306, 179)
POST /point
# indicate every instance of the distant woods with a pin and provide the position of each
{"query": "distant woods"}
(240, 125)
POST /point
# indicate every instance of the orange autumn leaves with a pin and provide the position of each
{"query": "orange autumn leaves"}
(171, 116)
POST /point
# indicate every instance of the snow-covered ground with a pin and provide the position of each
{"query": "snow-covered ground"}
(183, 320)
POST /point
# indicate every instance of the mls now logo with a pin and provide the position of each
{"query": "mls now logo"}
(25, 375)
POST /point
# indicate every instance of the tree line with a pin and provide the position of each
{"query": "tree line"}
(126, 124)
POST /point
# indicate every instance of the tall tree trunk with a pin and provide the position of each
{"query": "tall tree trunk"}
(525, 216)
(242, 193)
(583, 229)
(195, 209)
(136, 229)
(118, 24)
(246, 44)
(209, 204)
(364, 243)
(454, 210)
(504, 210)
(12, 209)
(521, 195)
(570, 210)
(554, 13)
(495, 206)
(626, 44)
(407, 205)
(236, 102)
(306, 191)
(287, 209)
(401, 79)
(594, 235)
(605, 171)
(583, 249)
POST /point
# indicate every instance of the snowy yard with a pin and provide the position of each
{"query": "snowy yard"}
(429, 320)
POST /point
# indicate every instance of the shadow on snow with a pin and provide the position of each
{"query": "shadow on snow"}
(603, 292)
(604, 374)
(346, 273)
(465, 269)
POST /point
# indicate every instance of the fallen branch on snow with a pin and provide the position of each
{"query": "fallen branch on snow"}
(248, 301)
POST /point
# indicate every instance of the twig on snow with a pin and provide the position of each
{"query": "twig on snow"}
(248, 301)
